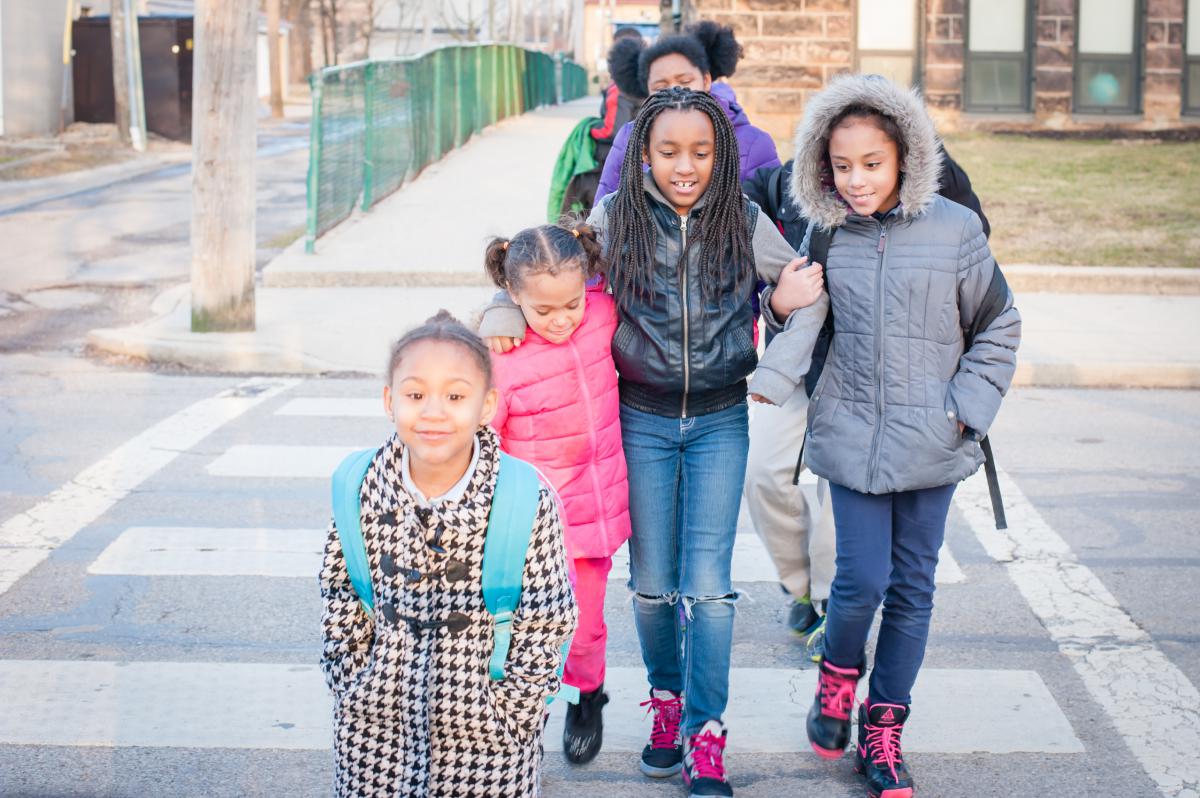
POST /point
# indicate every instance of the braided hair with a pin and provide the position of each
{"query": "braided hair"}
(724, 240)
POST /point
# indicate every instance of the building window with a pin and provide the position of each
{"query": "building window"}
(1191, 53)
(1107, 57)
(997, 70)
(887, 39)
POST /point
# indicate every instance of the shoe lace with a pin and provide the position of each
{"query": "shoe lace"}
(837, 695)
(707, 750)
(884, 744)
(664, 730)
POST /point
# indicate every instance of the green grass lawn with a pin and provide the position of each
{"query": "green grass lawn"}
(1092, 203)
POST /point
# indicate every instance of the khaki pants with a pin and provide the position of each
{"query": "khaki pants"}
(803, 551)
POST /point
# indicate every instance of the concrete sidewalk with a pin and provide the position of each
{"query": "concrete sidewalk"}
(422, 249)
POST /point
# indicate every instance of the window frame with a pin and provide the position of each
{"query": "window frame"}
(917, 53)
(1188, 62)
(1024, 59)
(1137, 62)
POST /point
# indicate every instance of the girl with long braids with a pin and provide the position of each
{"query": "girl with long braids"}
(683, 246)
(696, 59)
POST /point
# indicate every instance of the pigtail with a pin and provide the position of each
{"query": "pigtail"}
(493, 262)
(623, 67)
(589, 239)
(721, 46)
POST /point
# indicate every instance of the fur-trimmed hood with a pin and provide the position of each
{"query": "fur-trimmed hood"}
(812, 188)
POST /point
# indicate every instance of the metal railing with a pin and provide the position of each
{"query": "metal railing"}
(376, 124)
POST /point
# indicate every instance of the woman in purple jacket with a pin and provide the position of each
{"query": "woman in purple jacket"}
(694, 60)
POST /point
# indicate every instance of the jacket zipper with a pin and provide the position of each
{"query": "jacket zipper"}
(586, 393)
(683, 285)
(881, 249)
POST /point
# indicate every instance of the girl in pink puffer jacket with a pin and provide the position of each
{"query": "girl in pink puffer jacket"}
(559, 410)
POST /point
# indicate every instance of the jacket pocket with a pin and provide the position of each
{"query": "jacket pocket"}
(740, 357)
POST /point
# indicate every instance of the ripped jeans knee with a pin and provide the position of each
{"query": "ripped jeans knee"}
(717, 605)
(670, 599)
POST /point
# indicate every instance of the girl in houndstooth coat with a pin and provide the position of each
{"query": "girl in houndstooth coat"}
(415, 711)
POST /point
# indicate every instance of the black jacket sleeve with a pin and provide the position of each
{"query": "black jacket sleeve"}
(956, 186)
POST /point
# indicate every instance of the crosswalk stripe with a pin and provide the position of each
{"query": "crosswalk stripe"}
(253, 705)
(232, 551)
(202, 551)
(752, 563)
(279, 462)
(1149, 700)
(28, 538)
(333, 407)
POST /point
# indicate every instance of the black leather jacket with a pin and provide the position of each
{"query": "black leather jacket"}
(679, 353)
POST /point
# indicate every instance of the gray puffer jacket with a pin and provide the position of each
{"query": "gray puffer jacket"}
(903, 286)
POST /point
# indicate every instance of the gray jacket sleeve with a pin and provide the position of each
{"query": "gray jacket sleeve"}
(985, 371)
(771, 253)
(502, 317)
(783, 366)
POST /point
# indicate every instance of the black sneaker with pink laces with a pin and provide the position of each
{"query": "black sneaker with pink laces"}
(879, 756)
(663, 755)
(828, 723)
(704, 763)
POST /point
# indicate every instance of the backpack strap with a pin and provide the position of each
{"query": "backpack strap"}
(994, 301)
(510, 525)
(347, 517)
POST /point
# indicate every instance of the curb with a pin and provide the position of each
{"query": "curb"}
(236, 353)
(1022, 278)
(50, 189)
(1030, 278)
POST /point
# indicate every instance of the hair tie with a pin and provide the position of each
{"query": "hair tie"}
(504, 246)
(575, 232)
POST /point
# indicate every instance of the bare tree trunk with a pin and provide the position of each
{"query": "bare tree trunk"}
(300, 41)
(273, 58)
(223, 105)
(326, 60)
(333, 29)
(536, 39)
(516, 22)
(127, 75)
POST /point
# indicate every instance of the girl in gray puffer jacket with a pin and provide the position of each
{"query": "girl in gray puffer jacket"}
(895, 418)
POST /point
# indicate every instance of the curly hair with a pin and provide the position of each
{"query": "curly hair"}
(550, 249)
(623, 66)
(724, 238)
(712, 48)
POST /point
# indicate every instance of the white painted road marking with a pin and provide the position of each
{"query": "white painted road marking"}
(28, 538)
(280, 462)
(249, 705)
(333, 407)
(1148, 699)
(204, 551)
(752, 563)
(231, 551)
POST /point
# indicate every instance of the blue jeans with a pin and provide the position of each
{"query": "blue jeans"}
(685, 487)
(887, 550)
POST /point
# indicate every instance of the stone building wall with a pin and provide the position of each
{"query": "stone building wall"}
(792, 47)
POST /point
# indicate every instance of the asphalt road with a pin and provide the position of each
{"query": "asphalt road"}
(1114, 474)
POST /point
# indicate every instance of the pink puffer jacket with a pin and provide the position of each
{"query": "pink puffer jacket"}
(559, 410)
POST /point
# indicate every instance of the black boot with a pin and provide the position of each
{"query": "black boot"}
(879, 757)
(829, 719)
(584, 729)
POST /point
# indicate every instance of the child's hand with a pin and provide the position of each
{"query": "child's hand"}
(502, 343)
(762, 400)
(799, 286)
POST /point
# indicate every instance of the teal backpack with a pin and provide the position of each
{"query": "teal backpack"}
(510, 524)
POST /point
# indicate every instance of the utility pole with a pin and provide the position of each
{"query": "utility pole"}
(223, 139)
(273, 56)
(127, 74)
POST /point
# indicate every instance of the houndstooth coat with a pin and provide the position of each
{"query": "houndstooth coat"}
(415, 711)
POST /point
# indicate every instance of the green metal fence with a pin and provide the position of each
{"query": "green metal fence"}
(376, 124)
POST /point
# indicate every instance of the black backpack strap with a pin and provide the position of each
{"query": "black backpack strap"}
(994, 301)
(775, 193)
(818, 252)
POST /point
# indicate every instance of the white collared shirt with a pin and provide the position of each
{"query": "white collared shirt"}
(456, 491)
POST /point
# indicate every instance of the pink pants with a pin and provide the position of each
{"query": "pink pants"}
(585, 662)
